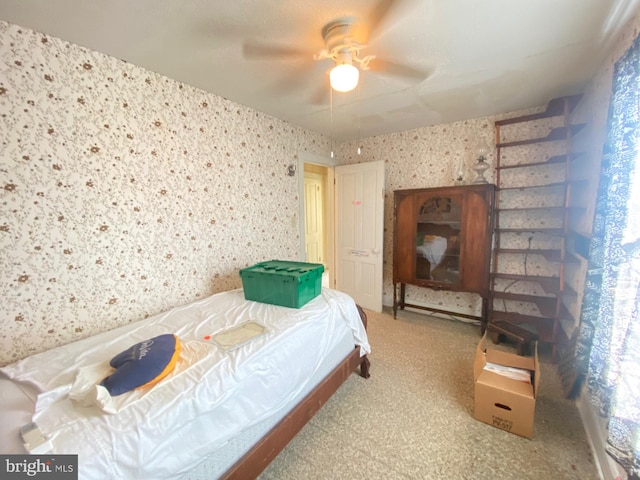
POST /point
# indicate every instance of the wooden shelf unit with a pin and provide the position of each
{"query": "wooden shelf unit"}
(539, 293)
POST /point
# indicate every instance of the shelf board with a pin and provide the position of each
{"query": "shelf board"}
(555, 160)
(551, 308)
(576, 182)
(553, 232)
(524, 187)
(549, 208)
(544, 327)
(549, 255)
(546, 305)
(548, 284)
(439, 222)
(559, 133)
(565, 314)
(579, 182)
(555, 108)
(521, 209)
(581, 243)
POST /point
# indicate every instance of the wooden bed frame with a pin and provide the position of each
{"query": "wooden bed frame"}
(268, 448)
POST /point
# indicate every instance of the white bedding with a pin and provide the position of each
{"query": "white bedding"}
(433, 250)
(211, 397)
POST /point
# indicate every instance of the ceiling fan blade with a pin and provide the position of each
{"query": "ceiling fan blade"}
(321, 96)
(294, 79)
(379, 13)
(254, 50)
(380, 65)
(209, 29)
(364, 31)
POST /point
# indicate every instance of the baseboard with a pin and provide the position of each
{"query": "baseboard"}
(387, 301)
(597, 436)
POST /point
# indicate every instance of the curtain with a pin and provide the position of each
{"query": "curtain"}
(608, 349)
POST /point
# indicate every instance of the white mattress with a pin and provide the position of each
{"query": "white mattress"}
(211, 400)
(214, 465)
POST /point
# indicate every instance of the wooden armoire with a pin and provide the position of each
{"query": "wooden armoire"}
(442, 241)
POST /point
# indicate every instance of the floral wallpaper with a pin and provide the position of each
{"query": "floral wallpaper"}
(424, 158)
(125, 193)
(428, 157)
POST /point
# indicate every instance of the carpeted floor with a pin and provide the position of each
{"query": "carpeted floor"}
(413, 419)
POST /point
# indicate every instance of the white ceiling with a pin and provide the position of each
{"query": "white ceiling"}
(480, 57)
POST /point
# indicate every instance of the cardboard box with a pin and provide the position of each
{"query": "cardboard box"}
(501, 401)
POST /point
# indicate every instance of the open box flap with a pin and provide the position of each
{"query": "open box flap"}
(484, 355)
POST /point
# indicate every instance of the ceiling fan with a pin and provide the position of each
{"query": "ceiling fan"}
(344, 39)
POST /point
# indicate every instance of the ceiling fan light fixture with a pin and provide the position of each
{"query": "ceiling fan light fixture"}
(344, 77)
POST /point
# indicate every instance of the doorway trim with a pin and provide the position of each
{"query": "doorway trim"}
(330, 163)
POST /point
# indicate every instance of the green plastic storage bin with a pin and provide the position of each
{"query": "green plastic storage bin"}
(280, 282)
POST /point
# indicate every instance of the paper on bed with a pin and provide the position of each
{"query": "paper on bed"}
(234, 337)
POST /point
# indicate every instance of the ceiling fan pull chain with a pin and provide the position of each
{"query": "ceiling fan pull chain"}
(331, 113)
(359, 150)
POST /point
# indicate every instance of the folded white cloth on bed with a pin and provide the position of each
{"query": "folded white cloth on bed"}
(211, 396)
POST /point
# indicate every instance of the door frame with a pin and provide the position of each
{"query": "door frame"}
(330, 163)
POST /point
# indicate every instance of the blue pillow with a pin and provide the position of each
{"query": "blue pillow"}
(143, 365)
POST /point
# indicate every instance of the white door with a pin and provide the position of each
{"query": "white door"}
(313, 217)
(359, 232)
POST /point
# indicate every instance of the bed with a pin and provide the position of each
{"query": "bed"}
(223, 412)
